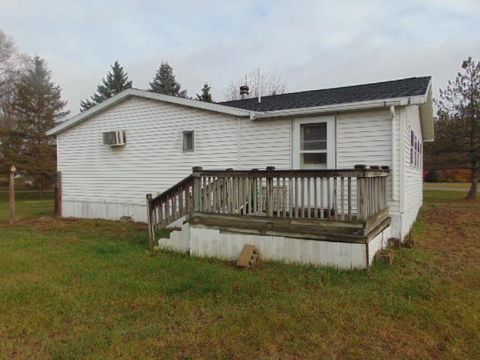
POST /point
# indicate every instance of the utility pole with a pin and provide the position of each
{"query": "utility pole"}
(11, 190)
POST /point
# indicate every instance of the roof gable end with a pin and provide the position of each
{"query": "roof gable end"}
(125, 94)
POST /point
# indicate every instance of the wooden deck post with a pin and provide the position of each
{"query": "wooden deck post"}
(58, 195)
(361, 195)
(269, 195)
(197, 188)
(11, 191)
(151, 226)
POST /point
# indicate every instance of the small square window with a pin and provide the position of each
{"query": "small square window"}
(188, 142)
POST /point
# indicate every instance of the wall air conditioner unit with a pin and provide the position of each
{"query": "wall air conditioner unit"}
(115, 138)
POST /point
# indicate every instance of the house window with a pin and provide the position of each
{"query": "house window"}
(416, 150)
(420, 152)
(313, 144)
(412, 141)
(417, 157)
(188, 141)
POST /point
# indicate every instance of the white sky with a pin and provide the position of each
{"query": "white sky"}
(311, 44)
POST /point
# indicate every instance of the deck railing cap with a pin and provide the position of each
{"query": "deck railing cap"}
(375, 171)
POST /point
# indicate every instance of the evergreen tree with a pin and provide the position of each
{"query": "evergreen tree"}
(38, 106)
(205, 95)
(115, 82)
(164, 82)
(459, 121)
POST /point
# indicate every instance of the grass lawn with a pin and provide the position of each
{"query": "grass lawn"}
(444, 185)
(73, 289)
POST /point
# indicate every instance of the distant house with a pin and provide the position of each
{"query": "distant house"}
(318, 205)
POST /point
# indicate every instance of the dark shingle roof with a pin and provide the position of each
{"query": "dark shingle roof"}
(341, 95)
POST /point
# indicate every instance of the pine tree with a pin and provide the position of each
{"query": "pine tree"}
(115, 82)
(205, 95)
(459, 120)
(38, 105)
(164, 82)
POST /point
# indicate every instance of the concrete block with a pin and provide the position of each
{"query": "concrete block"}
(248, 257)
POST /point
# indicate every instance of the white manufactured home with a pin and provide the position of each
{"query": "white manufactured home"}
(322, 176)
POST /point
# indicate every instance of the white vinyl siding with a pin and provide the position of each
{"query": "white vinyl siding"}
(151, 162)
(413, 175)
(366, 138)
(265, 143)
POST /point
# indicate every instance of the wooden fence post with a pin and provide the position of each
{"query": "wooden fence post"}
(58, 195)
(11, 191)
(151, 225)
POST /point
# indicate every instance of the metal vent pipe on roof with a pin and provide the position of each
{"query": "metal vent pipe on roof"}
(244, 91)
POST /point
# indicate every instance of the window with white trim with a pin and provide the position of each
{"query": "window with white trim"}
(188, 141)
(313, 144)
(416, 151)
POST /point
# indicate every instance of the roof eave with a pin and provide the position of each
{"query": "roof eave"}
(360, 105)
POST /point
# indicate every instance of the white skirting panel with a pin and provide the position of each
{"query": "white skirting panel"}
(378, 243)
(408, 220)
(207, 242)
(395, 225)
(402, 223)
(103, 210)
(213, 243)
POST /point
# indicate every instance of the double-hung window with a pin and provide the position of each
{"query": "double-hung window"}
(313, 145)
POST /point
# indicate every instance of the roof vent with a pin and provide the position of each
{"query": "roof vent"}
(244, 91)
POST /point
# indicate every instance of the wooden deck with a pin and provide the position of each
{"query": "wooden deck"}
(331, 205)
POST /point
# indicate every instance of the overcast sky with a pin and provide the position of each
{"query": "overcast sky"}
(310, 44)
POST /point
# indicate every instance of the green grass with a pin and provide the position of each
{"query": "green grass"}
(458, 185)
(30, 205)
(88, 289)
(442, 196)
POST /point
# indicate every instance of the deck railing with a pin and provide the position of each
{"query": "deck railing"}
(347, 195)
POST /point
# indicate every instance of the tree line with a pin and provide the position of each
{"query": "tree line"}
(31, 104)
(164, 82)
(457, 126)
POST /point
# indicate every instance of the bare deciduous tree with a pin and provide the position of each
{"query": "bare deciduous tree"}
(270, 84)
